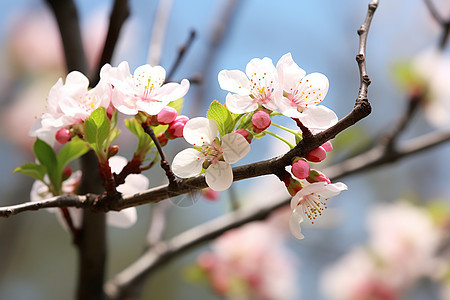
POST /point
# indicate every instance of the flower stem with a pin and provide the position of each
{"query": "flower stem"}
(280, 138)
(294, 132)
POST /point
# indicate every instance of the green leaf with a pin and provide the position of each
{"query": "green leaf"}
(33, 170)
(71, 150)
(145, 141)
(177, 104)
(222, 116)
(47, 158)
(96, 129)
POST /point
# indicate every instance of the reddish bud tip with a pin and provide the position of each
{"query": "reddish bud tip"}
(246, 134)
(113, 150)
(316, 155)
(110, 111)
(317, 176)
(67, 172)
(63, 136)
(260, 121)
(300, 169)
(167, 115)
(294, 186)
(162, 139)
(327, 146)
(175, 129)
(210, 194)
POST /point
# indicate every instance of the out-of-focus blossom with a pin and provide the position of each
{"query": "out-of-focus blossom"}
(402, 249)
(144, 90)
(432, 67)
(258, 86)
(125, 218)
(404, 237)
(209, 153)
(301, 94)
(356, 276)
(251, 262)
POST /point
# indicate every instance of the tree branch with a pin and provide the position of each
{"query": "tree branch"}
(181, 52)
(120, 12)
(67, 17)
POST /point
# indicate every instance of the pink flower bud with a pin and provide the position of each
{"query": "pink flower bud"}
(162, 139)
(327, 146)
(167, 115)
(317, 176)
(210, 194)
(300, 169)
(113, 150)
(260, 121)
(175, 129)
(316, 155)
(66, 173)
(110, 111)
(246, 134)
(63, 136)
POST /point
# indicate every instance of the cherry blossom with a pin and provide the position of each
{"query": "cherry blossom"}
(125, 218)
(144, 90)
(70, 103)
(210, 153)
(253, 257)
(257, 87)
(301, 94)
(432, 68)
(310, 201)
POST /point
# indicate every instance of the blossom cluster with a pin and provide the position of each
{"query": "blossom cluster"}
(77, 113)
(402, 249)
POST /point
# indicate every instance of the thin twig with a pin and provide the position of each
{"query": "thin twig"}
(434, 13)
(173, 180)
(181, 52)
(120, 12)
(159, 32)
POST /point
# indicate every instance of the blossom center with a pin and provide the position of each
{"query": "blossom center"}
(261, 88)
(312, 205)
(302, 95)
(147, 86)
(213, 153)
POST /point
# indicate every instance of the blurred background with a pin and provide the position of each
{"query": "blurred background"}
(37, 258)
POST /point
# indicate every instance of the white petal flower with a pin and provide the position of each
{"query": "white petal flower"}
(143, 91)
(311, 201)
(218, 155)
(70, 103)
(301, 93)
(258, 87)
(134, 183)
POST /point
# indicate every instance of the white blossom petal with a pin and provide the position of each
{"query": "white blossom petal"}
(239, 104)
(173, 91)
(219, 176)
(313, 87)
(188, 163)
(122, 219)
(234, 147)
(234, 81)
(262, 67)
(289, 73)
(318, 117)
(295, 220)
(200, 131)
